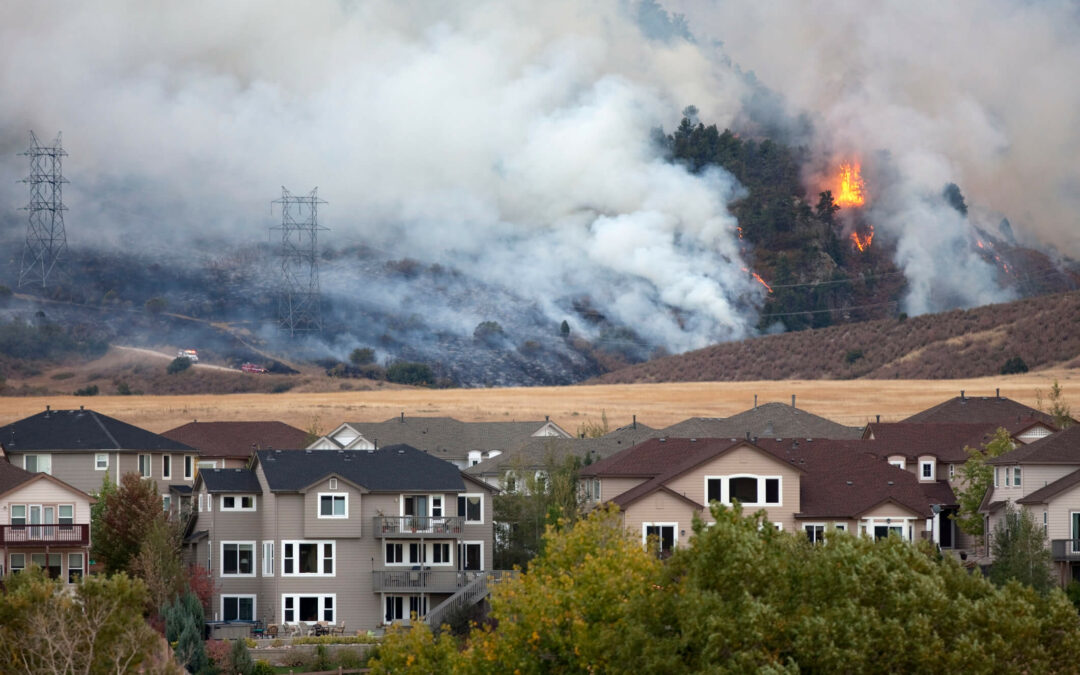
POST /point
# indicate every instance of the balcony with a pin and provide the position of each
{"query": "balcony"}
(44, 535)
(417, 527)
(422, 581)
(1065, 550)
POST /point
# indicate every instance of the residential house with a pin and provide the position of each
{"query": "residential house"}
(227, 445)
(82, 447)
(367, 537)
(44, 522)
(768, 420)
(809, 485)
(1042, 477)
(461, 443)
(1027, 424)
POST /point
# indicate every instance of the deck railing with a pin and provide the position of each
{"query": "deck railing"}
(472, 593)
(41, 535)
(417, 526)
(423, 580)
(1062, 550)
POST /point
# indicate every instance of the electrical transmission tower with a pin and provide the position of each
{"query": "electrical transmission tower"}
(46, 240)
(299, 299)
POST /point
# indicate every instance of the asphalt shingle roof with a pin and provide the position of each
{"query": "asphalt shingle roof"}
(769, 420)
(12, 476)
(81, 431)
(237, 439)
(535, 452)
(394, 468)
(446, 436)
(1060, 448)
(945, 441)
(987, 409)
(230, 480)
(1044, 494)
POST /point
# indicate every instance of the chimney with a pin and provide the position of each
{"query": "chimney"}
(755, 401)
(376, 444)
(961, 394)
(997, 392)
(747, 434)
(879, 419)
(635, 421)
(547, 418)
(46, 408)
(81, 408)
(793, 400)
(402, 416)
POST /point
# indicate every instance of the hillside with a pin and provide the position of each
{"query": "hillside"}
(1042, 331)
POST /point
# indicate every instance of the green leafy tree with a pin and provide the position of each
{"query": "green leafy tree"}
(125, 516)
(159, 563)
(406, 372)
(362, 356)
(564, 329)
(523, 513)
(1059, 409)
(1014, 366)
(184, 620)
(975, 478)
(240, 661)
(590, 429)
(1020, 551)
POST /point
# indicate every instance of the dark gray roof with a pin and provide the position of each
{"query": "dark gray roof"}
(394, 468)
(230, 480)
(535, 453)
(446, 436)
(81, 431)
(769, 420)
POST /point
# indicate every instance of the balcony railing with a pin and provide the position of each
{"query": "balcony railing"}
(1065, 549)
(422, 580)
(43, 535)
(417, 526)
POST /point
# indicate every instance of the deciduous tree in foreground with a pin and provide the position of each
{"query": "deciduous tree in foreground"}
(744, 597)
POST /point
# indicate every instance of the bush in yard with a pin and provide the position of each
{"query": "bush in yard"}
(178, 365)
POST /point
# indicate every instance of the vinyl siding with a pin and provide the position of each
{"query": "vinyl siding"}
(610, 488)
(660, 507)
(353, 526)
(44, 491)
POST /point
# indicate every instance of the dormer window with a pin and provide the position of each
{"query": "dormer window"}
(926, 469)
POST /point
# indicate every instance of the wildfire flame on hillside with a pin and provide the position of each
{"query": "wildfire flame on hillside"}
(862, 243)
(758, 278)
(851, 190)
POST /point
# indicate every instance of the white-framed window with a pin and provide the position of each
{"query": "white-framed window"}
(333, 505)
(268, 558)
(237, 607)
(75, 567)
(101, 461)
(404, 607)
(50, 562)
(237, 558)
(18, 562)
(952, 471)
(38, 463)
(1016, 476)
(333, 483)
(166, 502)
(237, 502)
(842, 527)
(749, 489)
(307, 558)
(470, 506)
(207, 464)
(395, 554)
(200, 502)
(189, 467)
(144, 466)
(666, 535)
(18, 514)
(926, 469)
(997, 475)
(440, 553)
(1074, 524)
(308, 608)
(471, 556)
(166, 467)
(815, 532)
(898, 463)
(65, 516)
(1046, 523)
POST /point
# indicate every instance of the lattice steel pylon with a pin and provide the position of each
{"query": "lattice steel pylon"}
(300, 297)
(46, 239)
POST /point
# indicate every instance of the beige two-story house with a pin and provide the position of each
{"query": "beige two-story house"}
(43, 522)
(364, 537)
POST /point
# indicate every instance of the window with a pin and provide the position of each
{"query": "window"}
(471, 556)
(18, 514)
(417, 553)
(395, 554)
(189, 467)
(166, 467)
(471, 507)
(333, 483)
(714, 489)
(664, 534)
(75, 567)
(440, 554)
(883, 531)
(238, 608)
(1016, 476)
(744, 489)
(596, 489)
(237, 502)
(238, 558)
(50, 562)
(395, 608)
(101, 461)
(436, 506)
(207, 464)
(841, 527)
(268, 559)
(308, 608)
(898, 463)
(997, 477)
(144, 466)
(313, 558)
(166, 502)
(404, 607)
(200, 502)
(333, 506)
(38, 463)
(18, 562)
(926, 470)
(952, 471)
(815, 532)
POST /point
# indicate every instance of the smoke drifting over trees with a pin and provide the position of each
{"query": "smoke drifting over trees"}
(513, 140)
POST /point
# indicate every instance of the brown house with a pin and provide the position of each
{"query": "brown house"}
(227, 445)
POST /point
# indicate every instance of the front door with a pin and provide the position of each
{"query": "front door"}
(947, 524)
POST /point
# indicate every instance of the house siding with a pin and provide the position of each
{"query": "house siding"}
(661, 507)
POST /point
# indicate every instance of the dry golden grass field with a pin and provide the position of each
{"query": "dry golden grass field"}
(851, 402)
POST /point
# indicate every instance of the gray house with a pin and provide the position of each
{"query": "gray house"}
(81, 447)
(364, 537)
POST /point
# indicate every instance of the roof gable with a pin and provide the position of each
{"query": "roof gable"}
(81, 431)
(396, 468)
(1060, 448)
(988, 409)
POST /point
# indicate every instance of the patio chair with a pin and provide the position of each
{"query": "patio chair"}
(271, 631)
(339, 629)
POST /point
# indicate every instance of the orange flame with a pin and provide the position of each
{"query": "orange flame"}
(852, 190)
(863, 243)
(759, 279)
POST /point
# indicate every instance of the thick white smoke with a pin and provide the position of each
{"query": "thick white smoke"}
(982, 93)
(511, 139)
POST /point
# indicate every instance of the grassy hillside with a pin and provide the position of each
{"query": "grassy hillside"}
(1042, 331)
